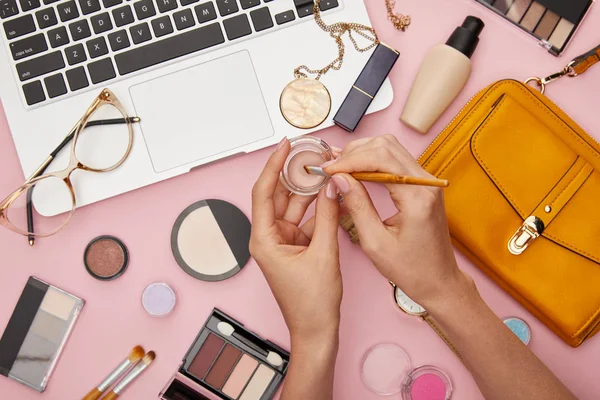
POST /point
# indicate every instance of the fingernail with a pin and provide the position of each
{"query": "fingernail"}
(331, 190)
(328, 163)
(336, 149)
(341, 183)
(281, 144)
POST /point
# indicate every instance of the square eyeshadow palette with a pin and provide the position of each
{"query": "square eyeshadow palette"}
(552, 22)
(37, 333)
(227, 361)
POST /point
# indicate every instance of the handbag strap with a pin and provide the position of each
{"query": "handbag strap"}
(576, 67)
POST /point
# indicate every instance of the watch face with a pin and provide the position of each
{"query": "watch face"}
(407, 304)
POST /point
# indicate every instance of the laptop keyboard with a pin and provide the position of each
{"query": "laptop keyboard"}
(60, 47)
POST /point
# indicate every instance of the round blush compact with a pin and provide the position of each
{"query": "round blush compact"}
(106, 258)
(305, 151)
(210, 240)
(159, 299)
(386, 370)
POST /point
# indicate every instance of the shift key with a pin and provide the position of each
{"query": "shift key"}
(39, 66)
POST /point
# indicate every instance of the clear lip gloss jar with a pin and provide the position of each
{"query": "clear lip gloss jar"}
(305, 150)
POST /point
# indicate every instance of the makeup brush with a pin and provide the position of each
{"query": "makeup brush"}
(130, 377)
(383, 177)
(134, 356)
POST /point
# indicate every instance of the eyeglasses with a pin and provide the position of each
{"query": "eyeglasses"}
(52, 194)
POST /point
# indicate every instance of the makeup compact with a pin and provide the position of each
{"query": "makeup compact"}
(106, 258)
(210, 240)
(37, 332)
(159, 299)
(386, 370)
(227, 361)
(520, 328)
(305, 150)
(552, 22)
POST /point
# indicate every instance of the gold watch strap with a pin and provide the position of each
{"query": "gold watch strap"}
(429, 319)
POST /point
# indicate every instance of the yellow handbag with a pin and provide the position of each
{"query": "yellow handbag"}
(524, 200)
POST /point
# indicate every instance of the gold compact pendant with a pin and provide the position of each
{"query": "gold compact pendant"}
(305, 103)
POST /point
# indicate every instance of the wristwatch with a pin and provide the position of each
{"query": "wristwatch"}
(410, 307)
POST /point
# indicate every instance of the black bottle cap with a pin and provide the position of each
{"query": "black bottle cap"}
(466, 37)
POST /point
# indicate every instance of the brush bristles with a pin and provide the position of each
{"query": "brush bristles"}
(136, 354)
(148, 358)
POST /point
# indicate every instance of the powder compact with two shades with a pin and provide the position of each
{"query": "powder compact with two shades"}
(552, 22)
(227, 361)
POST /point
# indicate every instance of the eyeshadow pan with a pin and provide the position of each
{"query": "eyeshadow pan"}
(502, 5)
(258, 384)
(561, 33)
(517, 10)
(547, 24)
(533, 16)
(222, 367)
(58, 303)
(48, 326)
(205, 357)
(240, 376)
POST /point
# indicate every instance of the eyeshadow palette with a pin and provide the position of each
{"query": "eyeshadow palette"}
(227, 361)
(37, 333)
(552, 22)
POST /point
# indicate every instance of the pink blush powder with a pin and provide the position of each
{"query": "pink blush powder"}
(298, 176)
(428, 387)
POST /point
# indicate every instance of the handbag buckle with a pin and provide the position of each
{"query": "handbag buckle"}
(531, 229)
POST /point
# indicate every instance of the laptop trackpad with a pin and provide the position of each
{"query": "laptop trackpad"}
(202, 113)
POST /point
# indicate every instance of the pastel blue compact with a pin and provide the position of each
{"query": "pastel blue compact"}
(520, 328)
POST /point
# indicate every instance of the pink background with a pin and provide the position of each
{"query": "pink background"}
(113, 320)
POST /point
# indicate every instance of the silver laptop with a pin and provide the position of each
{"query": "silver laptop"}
(205, 77)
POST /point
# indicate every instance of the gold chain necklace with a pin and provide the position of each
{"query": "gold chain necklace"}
(400, 21)
(305, 102)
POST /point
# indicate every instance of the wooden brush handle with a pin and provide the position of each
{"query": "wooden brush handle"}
(110, 396)
(93, 395)
(383, 177)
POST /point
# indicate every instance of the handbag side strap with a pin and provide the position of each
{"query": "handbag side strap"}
(582, 63)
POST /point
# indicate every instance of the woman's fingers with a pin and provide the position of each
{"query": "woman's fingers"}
(296, 208)
(375, 159)
(281, 199)
(325, 235)
(263, 192)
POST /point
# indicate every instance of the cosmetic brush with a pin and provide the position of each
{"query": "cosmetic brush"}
(134, 356)
(383, 177)
(130, 377)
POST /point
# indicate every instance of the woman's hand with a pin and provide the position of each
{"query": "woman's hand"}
(412, 248)
(301, 263)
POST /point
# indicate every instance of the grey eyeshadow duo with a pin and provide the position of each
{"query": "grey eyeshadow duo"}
(553, 22)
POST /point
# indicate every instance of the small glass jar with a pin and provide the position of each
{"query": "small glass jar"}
(305, 150)
(427, 383)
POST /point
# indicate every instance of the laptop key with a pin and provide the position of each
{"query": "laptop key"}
(305, 11)
(261, 19)
(80, 30)
(101, 70)
(89, 6)
(46, 2)
(28, 5)
(144, 9)
(55, 85)
(237, 26)
(227, 7)
(58, 37)
(166, 5)
(205, 12)
(97, 47)
(325, 5)
(188, 2)
(284, 17)
(8, 8)
(28, 47)
(111, 3)
(41, 65)
(77, 79)
(140, 33)
(162, 26)
(67, 11)
(46, 18)
(122, 16)
(19, 26)
(184, 19)
(249, 3)
(118, 40)
(34, 93)
(167, 49)
(101, 23)
(75, 54)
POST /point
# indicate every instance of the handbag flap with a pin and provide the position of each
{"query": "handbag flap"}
(526, 151)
